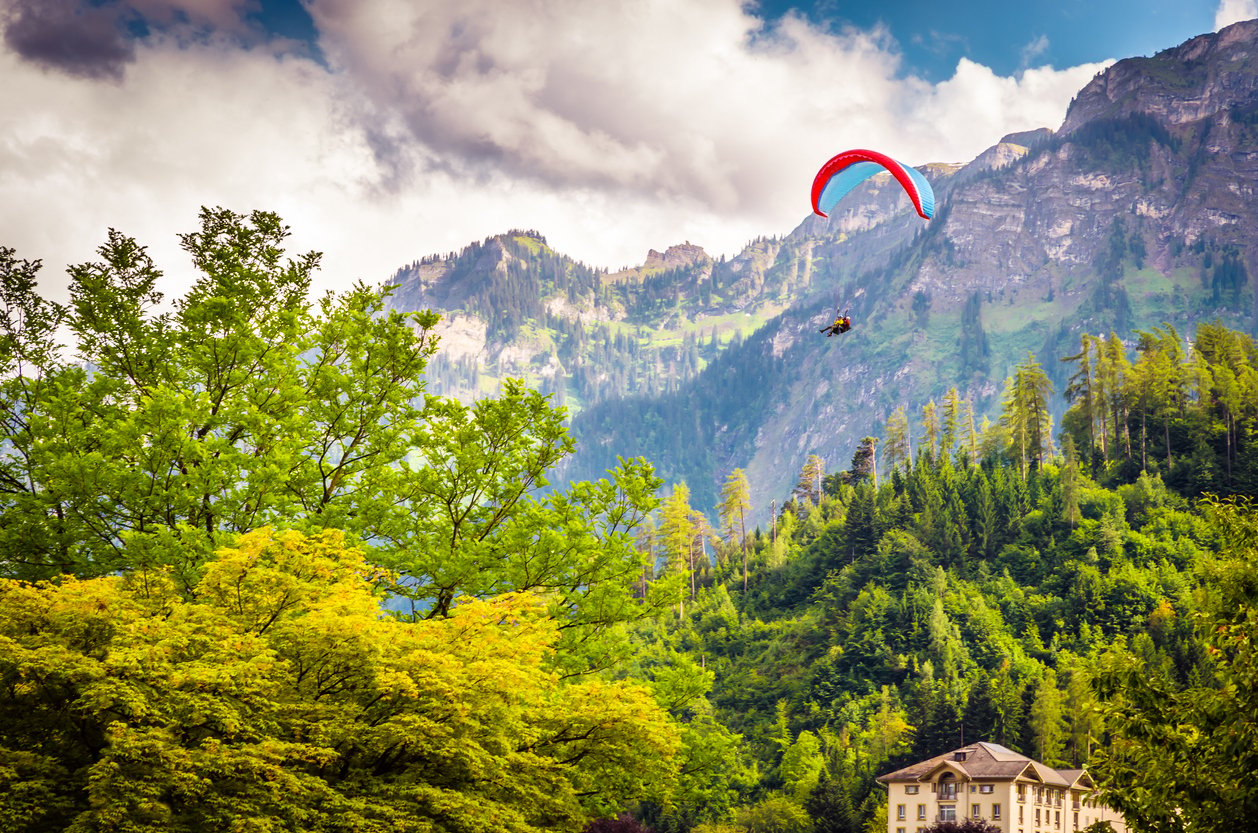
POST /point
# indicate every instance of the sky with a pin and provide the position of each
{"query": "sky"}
(386, 130)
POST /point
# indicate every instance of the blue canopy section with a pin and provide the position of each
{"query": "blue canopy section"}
(847, 179)
(925, 193)
(850, 168)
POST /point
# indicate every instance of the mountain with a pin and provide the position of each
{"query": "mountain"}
(514, 307)
(1137, 210)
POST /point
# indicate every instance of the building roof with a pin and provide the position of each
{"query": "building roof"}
(985, 761)
(1076, 777)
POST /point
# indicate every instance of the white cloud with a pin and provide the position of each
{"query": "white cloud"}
(1234, 11)
(1033, 50)
(609, 127)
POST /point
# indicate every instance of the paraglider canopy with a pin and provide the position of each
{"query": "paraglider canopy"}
(852, 167)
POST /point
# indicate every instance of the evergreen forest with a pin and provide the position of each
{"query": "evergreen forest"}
(255, 577)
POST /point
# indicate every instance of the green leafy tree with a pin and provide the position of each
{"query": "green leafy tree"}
(239, 408)
(247, 405)
(1182, 754)
(774, 814)
(802, 765)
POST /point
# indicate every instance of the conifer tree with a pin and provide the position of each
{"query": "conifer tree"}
(810, 476)
(896, 448)
(1026, 414)
(1070, 482)
(733, 509)
(930, 427)
(971, 435)
(951, 422)
(864, 461)
(1047, 720)
(1080, 391)
(677, 533)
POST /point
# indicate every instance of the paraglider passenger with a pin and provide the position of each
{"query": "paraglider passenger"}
(842, 324)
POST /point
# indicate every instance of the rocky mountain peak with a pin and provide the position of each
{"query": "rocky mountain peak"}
(675, 257)
(1185, 84)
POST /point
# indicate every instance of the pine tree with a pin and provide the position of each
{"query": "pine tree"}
(1048, 724)
(1070, 482)
(1080, 392)
(930, 425)
(864, 461)
(810, 476)
(676, 531)
(897, 448)
(733, 509)
(951, 422)
(1026, 414)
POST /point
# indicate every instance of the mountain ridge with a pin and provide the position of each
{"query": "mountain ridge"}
(1135, 211)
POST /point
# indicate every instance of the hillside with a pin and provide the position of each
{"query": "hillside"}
(1080, 611)
(513, 307)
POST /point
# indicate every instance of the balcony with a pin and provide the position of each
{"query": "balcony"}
(947, 792)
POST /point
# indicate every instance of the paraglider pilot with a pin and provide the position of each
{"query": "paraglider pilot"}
(842, 323)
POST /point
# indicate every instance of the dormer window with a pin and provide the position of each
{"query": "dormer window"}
(958, 756)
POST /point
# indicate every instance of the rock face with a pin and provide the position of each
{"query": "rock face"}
(1197, 80)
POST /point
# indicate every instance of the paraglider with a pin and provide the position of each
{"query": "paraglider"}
(852, 167)
(842, 323)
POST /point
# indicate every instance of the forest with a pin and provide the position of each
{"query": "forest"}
(254, 577)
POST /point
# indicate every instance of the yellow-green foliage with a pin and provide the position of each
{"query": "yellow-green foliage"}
(279, 697)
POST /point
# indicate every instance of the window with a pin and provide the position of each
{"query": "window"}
(1057, 819)
(921, 812)
(899, 830)
(973, 788)
(976, 811)
(985, 788)
(1076, 820)
(900, 812)
(996, 811)
(948, 813)
(911, 789)
(947, 787)
(1037, 815)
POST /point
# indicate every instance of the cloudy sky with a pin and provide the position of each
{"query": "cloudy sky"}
(384, 130)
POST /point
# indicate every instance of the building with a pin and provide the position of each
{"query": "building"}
(987, 781)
